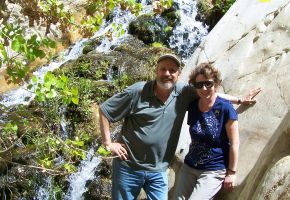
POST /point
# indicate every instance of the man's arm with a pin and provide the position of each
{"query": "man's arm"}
(116, 148)
(248, 99)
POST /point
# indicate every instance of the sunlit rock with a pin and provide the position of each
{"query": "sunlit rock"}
(250, 46)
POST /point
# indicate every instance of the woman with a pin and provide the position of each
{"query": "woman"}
(213, 154)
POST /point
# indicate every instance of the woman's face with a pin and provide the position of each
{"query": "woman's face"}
(205, 87)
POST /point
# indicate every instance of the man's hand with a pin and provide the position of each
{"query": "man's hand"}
(249, 98)
(118, 149)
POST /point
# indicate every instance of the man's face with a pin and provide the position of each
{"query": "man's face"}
(167, 73)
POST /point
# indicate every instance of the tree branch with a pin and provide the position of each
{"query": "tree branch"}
(45, 170)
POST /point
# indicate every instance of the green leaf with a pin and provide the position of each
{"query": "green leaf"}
(21, 73)
(39, 95)
(75, 100)
(34, 79)
(17, 43)
(39, 53)
(52, 44)
(49, 77)
(3, 52)
(79, 143)
(157, 44)
(111, 5)
(29, 87)
(10, 127)
(60, 84)
(32, 40)
(131, 1)
(102, 151)
(64, 78)
(83, 155)
(75, 91)
(69, 167)
(168, 28)
(264, 1)
(51, 94)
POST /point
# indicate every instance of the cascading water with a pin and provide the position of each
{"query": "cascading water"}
(24, 96)
(189, 33)
(186, 37)
(78, 180)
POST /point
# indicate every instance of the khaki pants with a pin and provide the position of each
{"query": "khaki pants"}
(196, 184)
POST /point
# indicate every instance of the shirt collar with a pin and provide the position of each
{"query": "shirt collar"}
(175, 92)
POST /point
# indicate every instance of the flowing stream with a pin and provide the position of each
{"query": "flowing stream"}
(187, 36)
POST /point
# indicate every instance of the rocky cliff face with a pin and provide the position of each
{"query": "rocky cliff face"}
(251, 47)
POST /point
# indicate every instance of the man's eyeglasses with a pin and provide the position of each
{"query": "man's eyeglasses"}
(207, 84)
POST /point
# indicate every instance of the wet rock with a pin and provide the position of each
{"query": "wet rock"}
(210, 12)
(100, 188)
(92, 44)
(155, 28)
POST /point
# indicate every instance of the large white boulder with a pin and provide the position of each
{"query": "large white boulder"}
(251, 47)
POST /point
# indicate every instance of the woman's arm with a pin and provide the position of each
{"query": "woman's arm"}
(248, 99)
(233, 135)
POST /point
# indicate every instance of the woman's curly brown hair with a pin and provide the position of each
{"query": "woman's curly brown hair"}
(208, 71)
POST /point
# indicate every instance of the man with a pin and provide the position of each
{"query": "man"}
(153, 113)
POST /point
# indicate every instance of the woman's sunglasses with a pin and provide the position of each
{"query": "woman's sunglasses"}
(207, 84)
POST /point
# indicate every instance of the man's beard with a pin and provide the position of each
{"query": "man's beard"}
(166, 86)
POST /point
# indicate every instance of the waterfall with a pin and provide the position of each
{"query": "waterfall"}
(43, 192)
(24, 96)
(189, 33)
(78, 180)
(186, 36)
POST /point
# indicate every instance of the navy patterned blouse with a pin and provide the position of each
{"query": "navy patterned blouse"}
(209, 149)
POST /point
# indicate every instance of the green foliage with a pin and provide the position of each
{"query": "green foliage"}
(118, 28)
(103, 151)
(70, 168)
(123, 81)
(50, 147)
(17, 51)
(57, 192)
(26, 49)
(168, 29)
(223, 5)
(8, 136)
(10, 128)
(157, 44)
(10, 133)
(52, 12)
(265, 1)
(99, 10)
(88, 76)
(166, 3)
(55, 87)
(38, 131)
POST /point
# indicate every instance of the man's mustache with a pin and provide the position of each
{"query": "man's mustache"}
(166, 79)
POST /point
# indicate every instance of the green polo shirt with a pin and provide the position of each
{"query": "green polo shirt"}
(151, 128)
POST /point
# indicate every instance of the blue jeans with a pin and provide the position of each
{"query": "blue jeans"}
(127, 183)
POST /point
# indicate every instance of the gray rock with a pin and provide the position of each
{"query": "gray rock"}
(250, 46)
